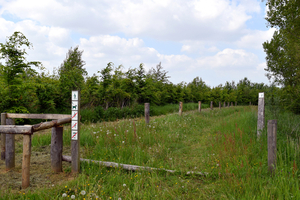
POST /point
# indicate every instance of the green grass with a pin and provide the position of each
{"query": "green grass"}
(221, 144)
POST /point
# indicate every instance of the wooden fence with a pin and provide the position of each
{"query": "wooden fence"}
(8, 129)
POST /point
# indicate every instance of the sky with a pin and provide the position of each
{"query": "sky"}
(216, 40)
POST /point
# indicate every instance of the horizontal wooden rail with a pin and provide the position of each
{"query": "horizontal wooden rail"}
(28, 130)
(36, 116)
(46, 125)
(12, 129)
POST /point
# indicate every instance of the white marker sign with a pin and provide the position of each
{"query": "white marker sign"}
(261, 95)
(75, 95)
(74, 105)
(74, 135)
(74, 125)
(75, 115)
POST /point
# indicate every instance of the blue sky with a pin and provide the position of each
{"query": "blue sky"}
(216, 40)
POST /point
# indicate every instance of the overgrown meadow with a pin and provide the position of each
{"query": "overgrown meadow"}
(216, 155)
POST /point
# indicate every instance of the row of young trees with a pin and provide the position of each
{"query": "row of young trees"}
(23, 89)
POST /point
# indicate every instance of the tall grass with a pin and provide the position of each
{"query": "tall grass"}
(221, 144)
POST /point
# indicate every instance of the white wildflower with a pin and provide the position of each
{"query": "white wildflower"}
(82, 192)
(64, 195)
(124, 185)
(73, 196)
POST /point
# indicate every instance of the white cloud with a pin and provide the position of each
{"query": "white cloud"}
(255, 38)
(172, 20)
(229, 59)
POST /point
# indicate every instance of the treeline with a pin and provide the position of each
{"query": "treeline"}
(24, 90)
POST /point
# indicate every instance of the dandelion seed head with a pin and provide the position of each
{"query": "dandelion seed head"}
(64, 195)
(73, 196)
(82, 192)
(124, 185)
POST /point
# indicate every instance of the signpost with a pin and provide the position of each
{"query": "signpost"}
(261, 113)
(75, 107)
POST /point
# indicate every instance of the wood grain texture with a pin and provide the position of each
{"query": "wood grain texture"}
(12, 129)
(147, 113)
(272, 132)
(199, 106)
(3, 136)
(10, 148)
(180, 108)
(26, 161)
(260, 116)
(37, 116)
(46, 125)
(56, 149)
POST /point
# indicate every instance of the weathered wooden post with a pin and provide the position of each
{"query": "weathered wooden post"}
(56, 148)
(211, 105)
(26, 161)
(180, 108)
(3, 136)
(75, 130)
(10, 147)
(219, 104)
(231, 104)
(227, 104)
(147, 113)
(199, 106)
(261, 113)
(224, 104)
(272, 130)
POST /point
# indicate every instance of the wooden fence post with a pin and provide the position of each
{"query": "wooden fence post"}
(224, 104)
(75, 129)
(261, 113)
(147, 113)
(250, 103)
(211, 105)
(26, 161)
(10, 147)
(56, 148)
(235, 103)
(227, 104)
(180, 108)
(231, 104)
(272, 130)
(3, 136)
(199, 106)
(219, 104)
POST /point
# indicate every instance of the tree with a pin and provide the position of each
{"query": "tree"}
(283, 51)
(71, 76)
(16, 72)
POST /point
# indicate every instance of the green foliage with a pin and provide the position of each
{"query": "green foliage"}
(283, 49)
(71, 76)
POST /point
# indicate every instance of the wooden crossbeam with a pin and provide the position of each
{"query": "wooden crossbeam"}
(36, 116)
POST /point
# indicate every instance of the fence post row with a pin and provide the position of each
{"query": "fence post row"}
(147, 113)
(75, 135)
(199, 106)
(261, 113)
(272, 131)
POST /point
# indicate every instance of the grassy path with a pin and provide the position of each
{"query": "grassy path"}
(220, 143)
